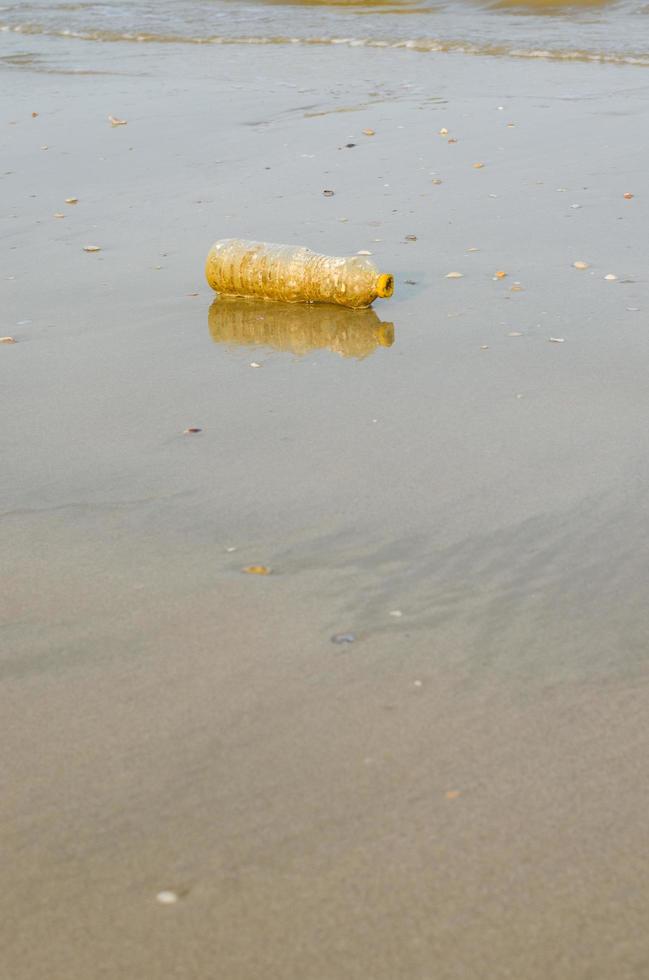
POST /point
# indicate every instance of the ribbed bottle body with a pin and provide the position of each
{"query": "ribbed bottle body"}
(293, 274)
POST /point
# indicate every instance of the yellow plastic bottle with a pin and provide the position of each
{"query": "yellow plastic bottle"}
(256, 323)
(236, 267)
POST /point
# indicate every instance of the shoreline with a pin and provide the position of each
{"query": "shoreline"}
(460, 789)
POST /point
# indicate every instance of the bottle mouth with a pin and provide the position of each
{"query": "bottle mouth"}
(385, 285)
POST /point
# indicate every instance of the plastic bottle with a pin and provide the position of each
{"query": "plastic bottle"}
(283, 327)
(293, 274)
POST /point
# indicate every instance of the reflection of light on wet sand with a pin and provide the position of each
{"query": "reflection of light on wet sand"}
(298, 328)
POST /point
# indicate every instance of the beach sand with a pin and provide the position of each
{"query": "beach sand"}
(460, 792)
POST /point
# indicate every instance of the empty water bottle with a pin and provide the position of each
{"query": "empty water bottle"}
(294, 274)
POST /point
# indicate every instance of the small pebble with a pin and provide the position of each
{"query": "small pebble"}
(611, 277)
(95, 248)
(411, 238)
(556, 340)
(368, 132)
(500, 274)
(256, 570)
(396, 613)
(628, 196)
(454, 275)
(443, 131)
(478, 166)
(514, 333)
(417, 683)
(452, 794)
(580, 265)
(255, 364)
(190, 431)
(436, 180)
(8, 340)
(484, 347)
(167, 897)
(328, 193)
(342, 638)
(72, 200)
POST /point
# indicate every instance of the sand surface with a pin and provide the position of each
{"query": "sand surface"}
(459, 793)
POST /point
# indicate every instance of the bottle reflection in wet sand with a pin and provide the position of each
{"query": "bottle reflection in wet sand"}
(298, 329)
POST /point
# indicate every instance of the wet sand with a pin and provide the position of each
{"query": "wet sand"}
(461, 791)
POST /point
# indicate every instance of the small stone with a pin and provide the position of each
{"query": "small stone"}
(342, 638)
(478, 166)
(484, 347)
(411, 238)
(59, 215)
(580, 265)
(514, 333)
(436, 180)
(368, 132)
(396, 613)
(255, 364)
(500, 274)
(417, 683)
(8, 340)
(328, 193)
(91, 248)
(191, 431)
(167, 897)
(349, 145)
(454, 275)
(556, 340)
(611, 277)
(256, 570)
(443, 131)
(72, 200)
(628, 196)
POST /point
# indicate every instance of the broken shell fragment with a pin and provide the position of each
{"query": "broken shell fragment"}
(114, 121)
(91, 248)
(454, 275)
(369, 132)
(8, 340)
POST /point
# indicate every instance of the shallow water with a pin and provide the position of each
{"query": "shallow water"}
(591, 30)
